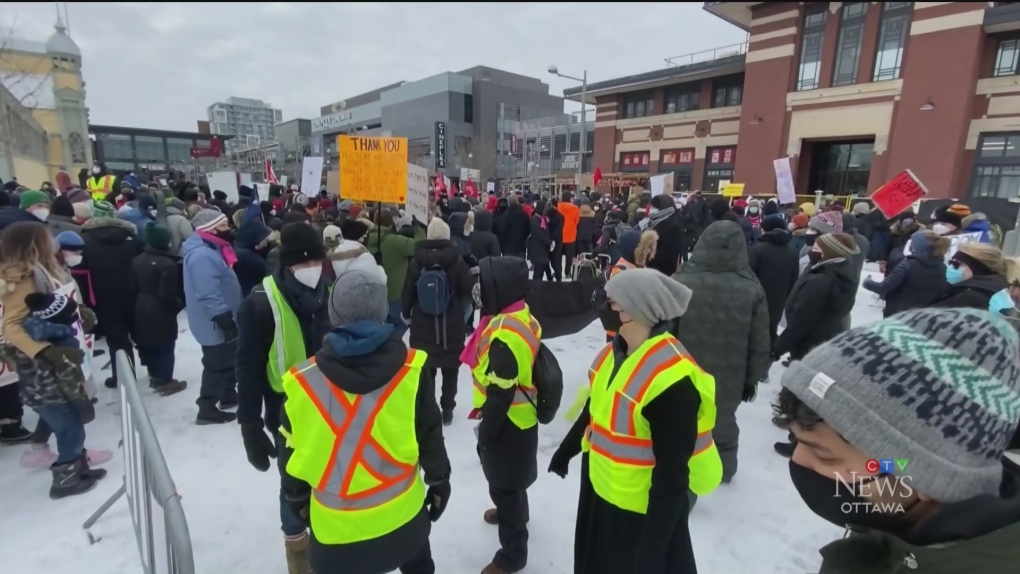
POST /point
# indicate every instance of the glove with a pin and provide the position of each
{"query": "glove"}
(258, 446)
(299, 508)
(560, 463)
(62, 359)
(88, 319)
(750, 392)
(225, 321)
(436, 499)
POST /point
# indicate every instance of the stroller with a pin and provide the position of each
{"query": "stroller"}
(585, 267)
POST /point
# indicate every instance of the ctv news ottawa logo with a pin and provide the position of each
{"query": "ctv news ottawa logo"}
(881, 491)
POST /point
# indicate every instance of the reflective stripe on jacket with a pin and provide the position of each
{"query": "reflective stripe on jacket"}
(618, 437)
(359, 453)
(522, 333)
(288, 343)
(99, 189)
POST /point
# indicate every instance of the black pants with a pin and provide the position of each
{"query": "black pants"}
(569, 252)
(218, 381)
(513, 514)
(11, 410)
(160, 362)
(420, 564)
(448, 399)
(118, 338)
(583, 246)
(542, 271)
(556, 259)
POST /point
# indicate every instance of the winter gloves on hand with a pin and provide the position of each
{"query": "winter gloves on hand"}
(258, 445)
(225, 321)
(88, 318)
(560, 463)
(437, 498)
(750, 391)
(299, 508)
(62, 359)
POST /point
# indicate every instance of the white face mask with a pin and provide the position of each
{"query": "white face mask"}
(72, 259)
(96, 170)
(309, 276)
(42, 213)
(941, 229)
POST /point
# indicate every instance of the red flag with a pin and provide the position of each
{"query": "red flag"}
(439, 187)
(469, 189)
(597, 177)
(453, 189)
(270, 174)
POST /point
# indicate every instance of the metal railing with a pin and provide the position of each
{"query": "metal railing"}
(707, 55)
(161, 529)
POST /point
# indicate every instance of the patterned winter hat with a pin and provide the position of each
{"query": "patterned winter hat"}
(102, 209)
(52, 307)
(827, 222)
(939, 387)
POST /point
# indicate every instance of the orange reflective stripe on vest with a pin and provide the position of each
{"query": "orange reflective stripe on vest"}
(527, 334)
(352, 422)
(600, 360)
(521, 395)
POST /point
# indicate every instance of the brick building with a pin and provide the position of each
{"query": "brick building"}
(852, 92)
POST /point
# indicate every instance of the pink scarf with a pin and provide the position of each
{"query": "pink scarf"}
(469, 356)
(543, 221)
(225, 249)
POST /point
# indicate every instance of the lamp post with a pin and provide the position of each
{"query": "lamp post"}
(584, 128)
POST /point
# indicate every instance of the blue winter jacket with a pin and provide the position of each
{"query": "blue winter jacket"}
(978, 224)
(210, 289)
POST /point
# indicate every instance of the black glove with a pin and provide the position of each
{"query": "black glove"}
(560, 463)
(62, 359)
(750, 391)
(225, 321)
(299, 508)
(436, 499)
(258, 445)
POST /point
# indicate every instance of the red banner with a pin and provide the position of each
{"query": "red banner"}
(898, 194)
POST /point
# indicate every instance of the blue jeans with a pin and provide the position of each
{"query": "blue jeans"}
(65, 420)
(160, 362)
(395, 319)
(290, 524)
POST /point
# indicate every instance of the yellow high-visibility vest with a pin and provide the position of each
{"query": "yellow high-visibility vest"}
(100, 188)
(288, 343)
(522, 333)
(618, 438)
(358, 452)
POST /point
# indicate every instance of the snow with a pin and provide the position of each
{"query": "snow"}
(755, 524)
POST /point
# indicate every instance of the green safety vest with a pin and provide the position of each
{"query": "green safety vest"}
(288, 343)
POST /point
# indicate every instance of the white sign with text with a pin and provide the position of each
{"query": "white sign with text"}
(418, 192)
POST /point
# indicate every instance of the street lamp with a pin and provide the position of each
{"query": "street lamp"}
(584, 128)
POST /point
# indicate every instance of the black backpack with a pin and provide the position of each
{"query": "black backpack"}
(548, 380)
(434, 292)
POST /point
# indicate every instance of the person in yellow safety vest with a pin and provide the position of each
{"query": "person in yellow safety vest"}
(502, 354)
(100, 184)
(280, 324)
(361, 427)
(646, 434)
(636, 250)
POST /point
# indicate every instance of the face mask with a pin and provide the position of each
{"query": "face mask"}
(1000, 302)
(72, 260)
(309, 276)
(814, 257)
(954, 275)
(809, 239)
(752, 211)
(95, 170)
(224, 234)
(941, 229)
(41, 214)
(831, 500)
(653, 210)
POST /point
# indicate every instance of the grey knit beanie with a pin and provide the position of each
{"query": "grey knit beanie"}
(648, 296)
(939, 387)
(207, 219)
(358, 296)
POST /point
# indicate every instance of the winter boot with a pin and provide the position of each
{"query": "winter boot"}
(785, 449)
(110, 383)
(38, 456)
(210, 415)
(14, 433)
(88, 473)
(297, 555)
(68, 480)
(447, 417)
(490, 516)
(171, 388)
(228, 405)
(493, 569)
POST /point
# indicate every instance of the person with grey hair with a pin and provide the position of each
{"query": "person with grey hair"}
(642, 465)
(364, 402)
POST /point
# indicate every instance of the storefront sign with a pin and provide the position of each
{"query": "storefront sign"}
(440, 145)
(373, 169)
(676, 157)
(568, 161)
(330, 121)
(725, 156)
(152, 166)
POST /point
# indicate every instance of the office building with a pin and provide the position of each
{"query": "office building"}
(545, 150)
(153, 152)
(248, 121)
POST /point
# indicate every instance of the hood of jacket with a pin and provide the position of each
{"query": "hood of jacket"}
(974, 535)
(991, 283)
(251, 234)
(376, 236)
(110, 230)
(975, 222)
(722, 248)
(460, 223)
(841, 271)
(586, 210)
(361, 357)
(432, 252)
(502, 281)
(172, 209)
(779, 237)
(898, 228)
(849, 223)
(483, 221)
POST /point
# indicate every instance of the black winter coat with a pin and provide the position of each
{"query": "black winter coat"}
(155, 286)
(442, 337)
(899, 236)
(361, 375)
(9, 215)
(914, 283)
(975, 292)
(821, 298)
(256, 329)
(484, 242)
(512, 228)
(111, 246)
(669, 247)
(539, 242)
(777, 268)
(251, 267)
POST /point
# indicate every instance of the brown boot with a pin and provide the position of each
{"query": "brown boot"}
(493, 569)
(172, 387)
(297, 555)
(490, 517)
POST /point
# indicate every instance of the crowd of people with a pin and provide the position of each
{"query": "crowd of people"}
(301, 306)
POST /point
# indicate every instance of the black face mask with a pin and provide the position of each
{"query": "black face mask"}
(227, 235)
(809, 239)
(814, 257)
(832, 500)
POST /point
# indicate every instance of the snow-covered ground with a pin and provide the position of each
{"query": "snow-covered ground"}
(756, 524)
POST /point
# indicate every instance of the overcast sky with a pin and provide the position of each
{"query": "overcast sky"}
(161, 64)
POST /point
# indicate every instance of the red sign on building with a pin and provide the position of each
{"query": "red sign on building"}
(675, 156)
(723, 155)
(215, 149)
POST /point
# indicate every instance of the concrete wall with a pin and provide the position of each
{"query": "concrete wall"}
(532, 97)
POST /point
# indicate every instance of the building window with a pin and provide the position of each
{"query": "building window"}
(634, 161)
(727, 92)
(638, 105)
(469, 108)
(179, 150)
(892, 39)
(149, 148)
(997, 167)
(683, 98)
(811, 47)
(116, 146)
(716, 178)
(841, 168)
(1007, 57)
(848, 49)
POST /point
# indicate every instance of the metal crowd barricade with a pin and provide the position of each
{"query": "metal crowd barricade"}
(161, 530)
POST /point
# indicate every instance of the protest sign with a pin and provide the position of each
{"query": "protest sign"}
(955, 241)
(418, 192)
(662, 183)
(784, 181)
(311, 175)
(373, 168)
(733, 190)
(898, 194)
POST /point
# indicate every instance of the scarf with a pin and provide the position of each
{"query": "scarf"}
(543, 221)
(660, 216)
(469, 356)
(225, 249)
